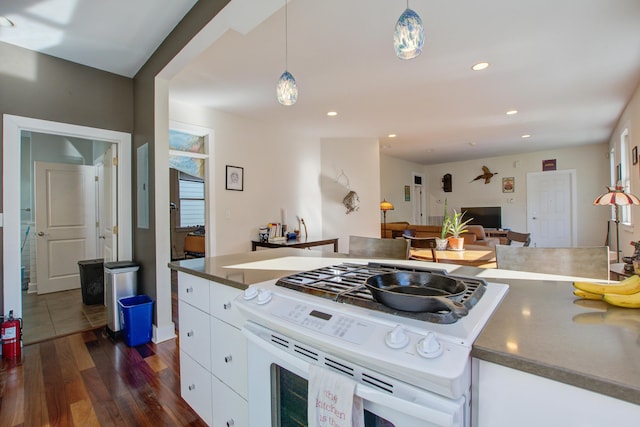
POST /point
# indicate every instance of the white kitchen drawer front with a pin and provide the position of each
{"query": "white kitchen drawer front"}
(194, 290)
(229, 356)
(223, 306)
(195, 387)
(229, 409)
(195, 334)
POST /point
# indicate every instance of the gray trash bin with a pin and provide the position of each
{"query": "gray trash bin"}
(120, 281)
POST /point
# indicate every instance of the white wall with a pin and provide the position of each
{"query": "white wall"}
(396, 174)
(358, 161)
(281, 171)
(590, 163)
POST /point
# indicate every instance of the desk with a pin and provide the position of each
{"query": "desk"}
(298, 243)
(474, 257)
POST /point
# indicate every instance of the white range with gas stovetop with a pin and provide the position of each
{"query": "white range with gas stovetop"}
(411, 368)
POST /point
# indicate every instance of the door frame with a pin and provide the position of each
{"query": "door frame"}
(12, 128)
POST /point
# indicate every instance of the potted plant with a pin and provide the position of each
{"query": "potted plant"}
(456, 226)
(442, 242)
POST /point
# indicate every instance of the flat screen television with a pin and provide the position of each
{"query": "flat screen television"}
(486, 216)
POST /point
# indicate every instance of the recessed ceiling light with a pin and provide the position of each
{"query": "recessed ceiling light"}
(512, 112)
(6, 22)
(472, 144)
(525, 136)
(480, 66)
(392, 135)
(332, 113)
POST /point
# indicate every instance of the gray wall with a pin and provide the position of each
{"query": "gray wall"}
(43, 87)
(144, 99)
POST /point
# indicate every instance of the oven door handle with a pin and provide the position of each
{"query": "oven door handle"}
(418, 410)
(423, 413)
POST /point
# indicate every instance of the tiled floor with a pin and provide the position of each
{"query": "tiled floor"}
(57, 314)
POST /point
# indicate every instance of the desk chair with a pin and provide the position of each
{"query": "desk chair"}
(423, 243)
(524, 238)
(363, 247)
(194, 246)
(591, 262)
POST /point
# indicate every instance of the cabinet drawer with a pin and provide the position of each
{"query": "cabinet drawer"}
(222, 304)
(229, 356)
(229, 409)
(195, 334)
(194, 290)
(195, 387)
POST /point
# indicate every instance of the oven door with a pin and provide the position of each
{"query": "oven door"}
(278, 370)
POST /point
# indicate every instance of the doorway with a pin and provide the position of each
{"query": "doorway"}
(13, 129)
(551, 205)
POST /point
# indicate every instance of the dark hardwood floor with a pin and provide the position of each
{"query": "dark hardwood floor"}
(88, 379)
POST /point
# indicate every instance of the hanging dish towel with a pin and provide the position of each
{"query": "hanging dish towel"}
(332, 401)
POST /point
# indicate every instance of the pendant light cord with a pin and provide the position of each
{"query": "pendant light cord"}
(286, 37)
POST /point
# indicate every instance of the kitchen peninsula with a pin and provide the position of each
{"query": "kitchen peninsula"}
(541, 348)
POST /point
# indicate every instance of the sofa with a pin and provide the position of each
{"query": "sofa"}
(475, 234)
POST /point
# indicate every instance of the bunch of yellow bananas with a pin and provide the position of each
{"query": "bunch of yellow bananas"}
(624, 294)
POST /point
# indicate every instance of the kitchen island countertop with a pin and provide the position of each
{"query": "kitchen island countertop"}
(540, 327)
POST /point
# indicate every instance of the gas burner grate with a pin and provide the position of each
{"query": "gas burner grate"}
(344, 283)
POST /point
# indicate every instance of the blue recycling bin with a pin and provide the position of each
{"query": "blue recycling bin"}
(136, 316)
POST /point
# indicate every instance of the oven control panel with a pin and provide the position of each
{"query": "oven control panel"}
(335, 325)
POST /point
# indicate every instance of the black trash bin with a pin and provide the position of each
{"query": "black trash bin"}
(92, 281)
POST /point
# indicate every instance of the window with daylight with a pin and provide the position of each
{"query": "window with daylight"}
(625, 176)
(191, 195)
(187, 154)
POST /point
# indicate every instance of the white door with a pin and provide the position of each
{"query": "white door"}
(106, 207)
(65, 223)
(551, 208)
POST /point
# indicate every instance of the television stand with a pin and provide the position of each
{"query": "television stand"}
(500, 234)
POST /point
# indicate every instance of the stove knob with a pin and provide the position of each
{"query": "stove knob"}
(397, 338)
(264, 296)
(429, 346)
(250, 293)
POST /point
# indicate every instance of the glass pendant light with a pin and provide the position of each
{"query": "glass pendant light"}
(287, 90)
(408, 37)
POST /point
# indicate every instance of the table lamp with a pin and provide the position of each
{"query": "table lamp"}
(384, 207)
(615, 196)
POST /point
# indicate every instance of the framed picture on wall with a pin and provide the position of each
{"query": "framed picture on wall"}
(634, 155)
(407, 193)
(235, 178)
(508, 184)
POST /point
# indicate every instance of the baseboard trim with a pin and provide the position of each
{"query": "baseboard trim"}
(165, 333)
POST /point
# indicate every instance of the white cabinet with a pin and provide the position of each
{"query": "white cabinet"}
(229, 409)
(508, 397)
(195, 386)
(229, 356)
(213, 351)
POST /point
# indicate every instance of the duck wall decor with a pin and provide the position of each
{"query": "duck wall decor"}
(486, 175)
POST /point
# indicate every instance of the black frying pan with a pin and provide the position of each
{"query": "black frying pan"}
(418, 292)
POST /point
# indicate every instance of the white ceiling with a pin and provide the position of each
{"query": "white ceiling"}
(568, 66)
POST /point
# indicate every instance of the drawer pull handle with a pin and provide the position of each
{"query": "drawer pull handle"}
(230, 423)
(227, 306)
(227, 359)
(190, 333)
(192, 387)
(189, 290)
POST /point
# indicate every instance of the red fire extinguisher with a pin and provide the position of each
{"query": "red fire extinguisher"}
(11, 334)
